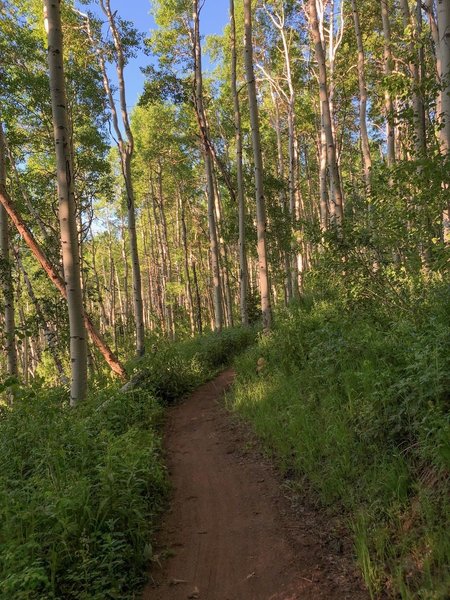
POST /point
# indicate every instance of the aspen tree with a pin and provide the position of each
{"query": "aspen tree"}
(336, 200)
(365, 148)
(388, 103)
(6, 276)
(208, 159)
(67, 207)
(263, 278)
(126, 149)
(243, 278)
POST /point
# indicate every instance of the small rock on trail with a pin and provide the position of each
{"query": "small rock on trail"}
(231, 534)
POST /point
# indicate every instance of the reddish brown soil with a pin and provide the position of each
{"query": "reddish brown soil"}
(233, 531)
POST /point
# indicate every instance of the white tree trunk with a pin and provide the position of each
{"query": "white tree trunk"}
(336, 200)
(389, 105)
(126, 149)
(67, 207)
(243, 280)
(5, 274)
(258, 165)
(365, 148)
(209, 166)
(443, 22)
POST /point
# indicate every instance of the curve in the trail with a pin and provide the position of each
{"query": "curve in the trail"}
(230, 533)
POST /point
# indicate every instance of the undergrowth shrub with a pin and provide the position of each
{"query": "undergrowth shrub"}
(81, 490)
(354, 400)
(173, 369)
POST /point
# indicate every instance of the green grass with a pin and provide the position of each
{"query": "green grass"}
(355, 402)
(82, 490)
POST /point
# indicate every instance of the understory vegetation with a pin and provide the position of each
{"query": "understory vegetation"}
(352, 397)
(81, 490)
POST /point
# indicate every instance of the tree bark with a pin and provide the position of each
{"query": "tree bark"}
(388, 103)
(414, 68)
(243, 280)
(258, 167)
(208, 158)
(67, 206)
(6, 275)
(443, 23)
(336, 200)
(365, 147)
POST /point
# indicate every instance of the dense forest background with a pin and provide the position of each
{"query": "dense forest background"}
(300, 186)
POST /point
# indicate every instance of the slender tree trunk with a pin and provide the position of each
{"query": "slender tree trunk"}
(429, 7)
(443, 23)
(365, 148)
(126, 149)
(414, 68)
(336, 200)
(190, 301)
(283, 198)
(208, 158)
(388, 103)
(323, 187)
(67, 207)
(197, 297)
(258, 166)
(6, 275)
(243, 280)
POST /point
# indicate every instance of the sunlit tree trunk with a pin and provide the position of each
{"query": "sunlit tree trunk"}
(6, 275)
(323, 187)
(388, 103)
(336, 200)
(198, 312)
(264, 286)
(443, 22)
(243, 279)
(67, 208)
(365, 147)
(187, 274)
(414, 24)
(286, 258)
(208, 158)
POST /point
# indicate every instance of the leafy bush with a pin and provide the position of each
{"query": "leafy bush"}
(174, 369)
(355, 399)
(80, 491)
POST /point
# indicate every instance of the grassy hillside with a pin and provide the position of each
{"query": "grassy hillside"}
(353, 396)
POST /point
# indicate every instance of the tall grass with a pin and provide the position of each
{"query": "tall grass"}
(354, 400)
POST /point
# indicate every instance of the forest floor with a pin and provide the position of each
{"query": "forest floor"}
(236, 529)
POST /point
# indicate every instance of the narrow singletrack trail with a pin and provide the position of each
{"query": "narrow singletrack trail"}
(232, 533)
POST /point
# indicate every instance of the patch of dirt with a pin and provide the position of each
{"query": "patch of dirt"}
(234, 531)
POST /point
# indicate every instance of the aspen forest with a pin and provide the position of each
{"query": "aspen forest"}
(224, 299)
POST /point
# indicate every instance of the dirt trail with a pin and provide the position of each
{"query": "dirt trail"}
(231, 533)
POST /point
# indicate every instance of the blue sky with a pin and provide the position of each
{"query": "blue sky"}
(213, 19)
